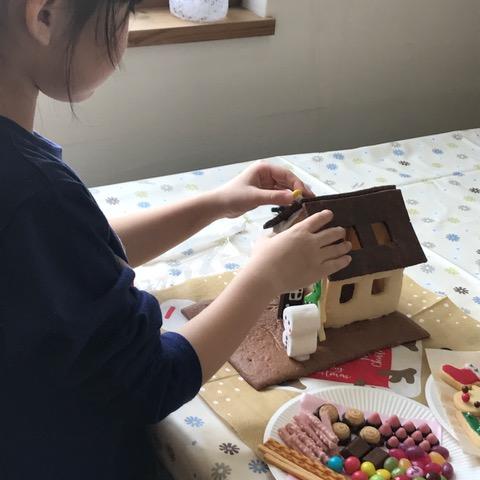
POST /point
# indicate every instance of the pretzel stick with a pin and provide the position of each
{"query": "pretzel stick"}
(289, 467)
(302, 461)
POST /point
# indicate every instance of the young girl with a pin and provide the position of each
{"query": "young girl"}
(83, 367)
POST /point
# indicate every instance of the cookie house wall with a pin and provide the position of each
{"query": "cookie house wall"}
(363, 304)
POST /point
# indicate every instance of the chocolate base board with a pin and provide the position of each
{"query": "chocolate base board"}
(262, 361)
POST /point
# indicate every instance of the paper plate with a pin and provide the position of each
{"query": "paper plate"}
(436, 406)
(379, 400)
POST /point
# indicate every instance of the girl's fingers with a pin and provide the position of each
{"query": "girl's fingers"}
(273, 197)
(331, 235)
(317, 221)
(274, 176)
(335, 251)
(332, 266)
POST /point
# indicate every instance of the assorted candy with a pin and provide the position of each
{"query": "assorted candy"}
(336, 463)
(372, 449)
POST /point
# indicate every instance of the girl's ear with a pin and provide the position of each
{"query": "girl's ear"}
(39, 16)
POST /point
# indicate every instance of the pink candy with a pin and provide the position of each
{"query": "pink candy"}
(409, 427)
(385, 430)
(401, 433)
(425, 446)
(417, 436)
(393, 442)
(394, 422)
(432, 439)
(414, 472)
(409, 442)
(374, 420)
(425, 429)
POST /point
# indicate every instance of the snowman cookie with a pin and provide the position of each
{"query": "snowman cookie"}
(467, 403)
(458, 377)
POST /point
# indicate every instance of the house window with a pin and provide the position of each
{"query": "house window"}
(347, 292)
(352, 237)
(382, 235)
(379, 285)
(296, 296)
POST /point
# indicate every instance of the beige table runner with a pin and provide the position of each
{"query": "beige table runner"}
(247, 411)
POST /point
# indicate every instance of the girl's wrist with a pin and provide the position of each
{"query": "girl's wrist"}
(260, 280)
(214, 205)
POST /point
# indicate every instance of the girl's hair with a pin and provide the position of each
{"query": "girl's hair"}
(109, 23)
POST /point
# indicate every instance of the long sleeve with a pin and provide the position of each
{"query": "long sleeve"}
(73, 326)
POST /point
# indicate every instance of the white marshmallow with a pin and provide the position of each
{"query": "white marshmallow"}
(300, 319)
(301, 346)
(301, 330)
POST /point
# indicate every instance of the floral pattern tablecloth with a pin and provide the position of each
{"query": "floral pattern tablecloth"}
(440, 180)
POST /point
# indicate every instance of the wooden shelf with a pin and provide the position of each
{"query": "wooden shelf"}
(156, 26)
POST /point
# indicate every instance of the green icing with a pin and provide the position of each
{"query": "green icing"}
(314, 296)
(473, 421)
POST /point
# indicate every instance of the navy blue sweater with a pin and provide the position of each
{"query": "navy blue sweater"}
(83, 368)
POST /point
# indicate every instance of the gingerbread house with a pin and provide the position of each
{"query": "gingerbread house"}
(383, 244)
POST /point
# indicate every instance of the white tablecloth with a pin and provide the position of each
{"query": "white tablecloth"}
(440, 180)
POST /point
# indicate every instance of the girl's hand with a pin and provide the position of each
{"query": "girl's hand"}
(301, 255)
(259, 184)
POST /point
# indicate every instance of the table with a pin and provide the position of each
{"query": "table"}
(440, 180)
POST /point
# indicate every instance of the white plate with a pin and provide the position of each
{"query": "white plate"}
(436, 406)
(378, 400)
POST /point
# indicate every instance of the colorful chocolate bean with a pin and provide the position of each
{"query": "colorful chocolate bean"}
(351, 465)
(442, 451)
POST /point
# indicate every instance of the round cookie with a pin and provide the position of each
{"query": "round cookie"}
(371, 435)
(342, 431)
(354, 418)
(331, 410)
(468, 406)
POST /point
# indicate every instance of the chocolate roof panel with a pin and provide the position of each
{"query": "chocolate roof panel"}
(367, 211)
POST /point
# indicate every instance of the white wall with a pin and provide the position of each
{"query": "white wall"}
(337, 74)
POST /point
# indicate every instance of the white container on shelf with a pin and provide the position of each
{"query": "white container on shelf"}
(199, 10)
